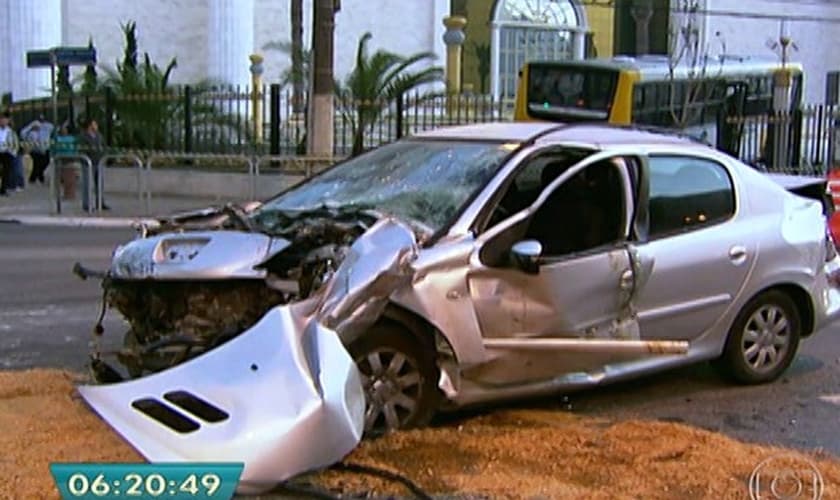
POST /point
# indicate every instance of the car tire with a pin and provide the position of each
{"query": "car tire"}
(763, 339)
(399, 376)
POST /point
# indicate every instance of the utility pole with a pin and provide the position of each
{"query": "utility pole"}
(321, 105)
(781, 103)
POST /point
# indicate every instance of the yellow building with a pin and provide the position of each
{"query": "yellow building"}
(502, 34)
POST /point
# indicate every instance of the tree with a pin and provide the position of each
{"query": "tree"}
(321, 104)
(689, 56)
(297, 75)
(378, 81)
(64, 88)
(90, 81)
(148, 108)
(482, 54)
(296, 22)
(139, 121)
(288, 75)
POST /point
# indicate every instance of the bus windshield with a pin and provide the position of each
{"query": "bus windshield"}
(570, 93)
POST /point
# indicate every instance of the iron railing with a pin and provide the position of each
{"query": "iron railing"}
(238, 120)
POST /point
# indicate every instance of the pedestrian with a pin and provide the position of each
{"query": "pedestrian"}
(65, 143)
(18, 177)
(92, 145)
(9, 146)
(38, 135)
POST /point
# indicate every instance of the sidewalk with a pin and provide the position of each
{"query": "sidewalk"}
(33, 206)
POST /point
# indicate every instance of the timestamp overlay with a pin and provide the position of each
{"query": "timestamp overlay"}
(199, 480)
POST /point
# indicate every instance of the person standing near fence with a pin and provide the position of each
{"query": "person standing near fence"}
(38, 134)
(65, 143)
(92, 145)
(8, 152)
(18, 177)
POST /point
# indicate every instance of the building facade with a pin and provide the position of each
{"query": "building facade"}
(210, 39)
(502, 33)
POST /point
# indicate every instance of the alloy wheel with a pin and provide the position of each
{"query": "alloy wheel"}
(767, 338)
(393, 387)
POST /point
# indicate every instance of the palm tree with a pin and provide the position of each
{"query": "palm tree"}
(290, 74)
(138, 120)
(148, 109)
(378, 81)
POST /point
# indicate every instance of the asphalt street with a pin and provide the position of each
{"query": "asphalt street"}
(47, 315)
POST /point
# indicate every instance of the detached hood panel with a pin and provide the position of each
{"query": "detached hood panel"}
(283, 397)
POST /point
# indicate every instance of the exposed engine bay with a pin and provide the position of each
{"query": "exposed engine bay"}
(201, 278)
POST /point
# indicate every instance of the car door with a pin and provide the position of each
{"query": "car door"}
(581, 289)
(698, 243)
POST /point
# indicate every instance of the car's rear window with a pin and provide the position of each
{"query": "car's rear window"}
(687, 193)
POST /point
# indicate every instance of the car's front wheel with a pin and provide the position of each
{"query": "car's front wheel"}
(763, 339)
(399, 376)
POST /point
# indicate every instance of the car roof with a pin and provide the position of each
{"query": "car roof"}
(493, 131)
(602, 135)
(598, 135)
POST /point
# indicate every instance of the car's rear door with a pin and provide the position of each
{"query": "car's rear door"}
(698, 243)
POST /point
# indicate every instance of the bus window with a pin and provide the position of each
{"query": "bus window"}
(569, 93)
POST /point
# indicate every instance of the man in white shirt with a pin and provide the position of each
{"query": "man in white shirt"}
(38, 135)
(8, 151)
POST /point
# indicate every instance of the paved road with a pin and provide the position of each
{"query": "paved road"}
(46, 315)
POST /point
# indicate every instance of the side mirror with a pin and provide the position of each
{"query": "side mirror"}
(526, 255)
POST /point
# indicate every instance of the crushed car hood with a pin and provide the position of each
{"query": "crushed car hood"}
(196, 255)
(284, 397)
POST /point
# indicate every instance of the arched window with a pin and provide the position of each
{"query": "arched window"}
(526, 30)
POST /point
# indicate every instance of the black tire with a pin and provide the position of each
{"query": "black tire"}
(405, 394)
(763, 339)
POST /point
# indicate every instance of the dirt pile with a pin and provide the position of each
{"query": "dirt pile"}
(502, 454)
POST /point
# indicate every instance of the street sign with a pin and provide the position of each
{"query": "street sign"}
(38, 59)
(70, 56)
(64, 56)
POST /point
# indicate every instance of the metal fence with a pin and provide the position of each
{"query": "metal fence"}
(800, 142)
(240, 120)
(236, 120)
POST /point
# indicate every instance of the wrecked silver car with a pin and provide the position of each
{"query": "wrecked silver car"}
(518, 259)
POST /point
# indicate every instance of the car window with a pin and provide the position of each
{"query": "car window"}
(687, 193)
(585, 212)
(530, 180)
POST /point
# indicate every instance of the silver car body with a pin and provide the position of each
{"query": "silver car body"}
(620, 310)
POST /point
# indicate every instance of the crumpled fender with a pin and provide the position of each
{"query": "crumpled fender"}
(284, 397)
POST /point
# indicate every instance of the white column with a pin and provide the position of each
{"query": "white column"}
(440, 9)
(5, 57)
(579, 44)
(36, 26)
(495, 55)
(230, 40)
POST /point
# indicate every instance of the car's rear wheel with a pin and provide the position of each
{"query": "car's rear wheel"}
(763, 339)
(399, 376)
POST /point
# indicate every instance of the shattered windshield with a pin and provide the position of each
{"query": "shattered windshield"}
(424, 181)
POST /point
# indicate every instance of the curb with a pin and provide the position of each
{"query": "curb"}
(64, 221)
